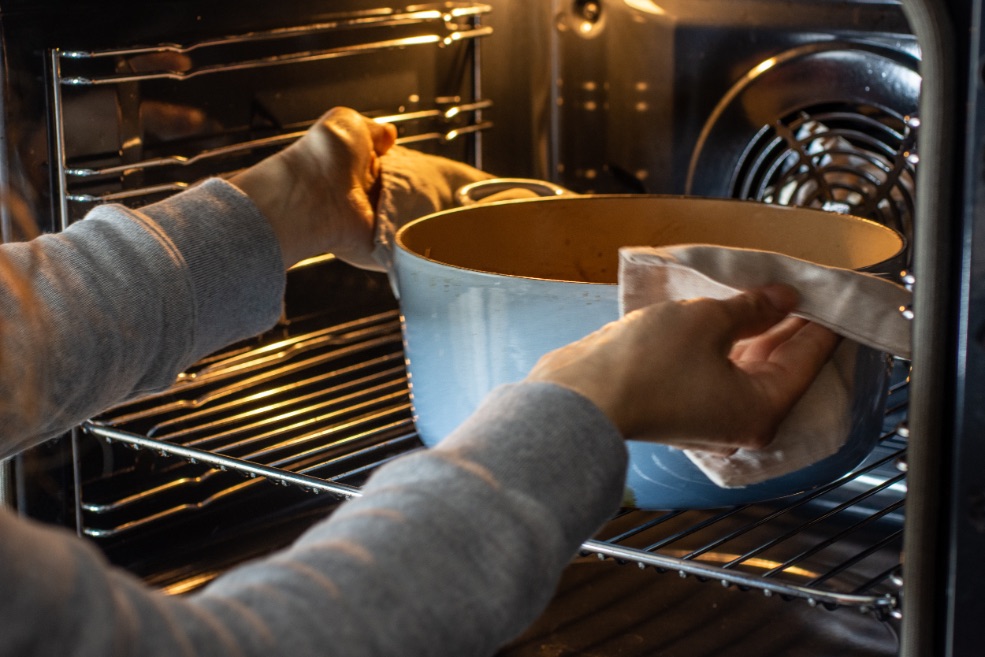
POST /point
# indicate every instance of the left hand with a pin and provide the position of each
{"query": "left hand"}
(319, 193)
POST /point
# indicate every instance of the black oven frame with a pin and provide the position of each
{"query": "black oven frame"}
(944, 535)
(945, 532)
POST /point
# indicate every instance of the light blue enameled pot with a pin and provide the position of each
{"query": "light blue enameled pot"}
(486, 290)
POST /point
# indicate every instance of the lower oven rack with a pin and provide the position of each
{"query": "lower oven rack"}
(837, 546)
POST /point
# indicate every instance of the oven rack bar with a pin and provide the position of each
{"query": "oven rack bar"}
(238, 365)
(381, 16)
(223, 463)
(424, 16)
(279, 141)
(293, 58)
(150, 191)
(255, 473)
(885, 603)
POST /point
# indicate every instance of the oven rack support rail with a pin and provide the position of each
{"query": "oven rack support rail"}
(436, 25)
(881, 603)
(442, 19)
(280, 141)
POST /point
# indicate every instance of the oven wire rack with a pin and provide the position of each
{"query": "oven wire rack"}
(321, 410)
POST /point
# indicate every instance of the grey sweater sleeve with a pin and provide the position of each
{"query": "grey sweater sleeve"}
(124, 300)
(449, 551)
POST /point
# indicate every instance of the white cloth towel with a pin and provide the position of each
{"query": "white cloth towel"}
(862, 307)
(414, 185)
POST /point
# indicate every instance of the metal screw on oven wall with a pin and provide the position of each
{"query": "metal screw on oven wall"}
(908, 280)
(903, 431)
(588, 10)
(585, 18)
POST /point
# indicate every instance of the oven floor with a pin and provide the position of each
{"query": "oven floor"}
(605, 609)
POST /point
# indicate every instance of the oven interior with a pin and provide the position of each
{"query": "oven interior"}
(807, 103)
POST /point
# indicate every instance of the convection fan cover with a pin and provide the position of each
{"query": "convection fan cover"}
(829, 125)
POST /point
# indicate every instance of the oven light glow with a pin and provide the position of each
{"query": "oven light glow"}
(766, 564)
(765, 65)
(190, 584)
(752, 562)
(871, 482)
(647, 6)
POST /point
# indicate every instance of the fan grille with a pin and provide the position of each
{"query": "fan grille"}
(857, 160)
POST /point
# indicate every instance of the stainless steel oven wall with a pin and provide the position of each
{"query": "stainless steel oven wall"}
(518, 67)
(641, 84)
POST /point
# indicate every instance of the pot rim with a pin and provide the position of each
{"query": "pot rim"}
(399, 237)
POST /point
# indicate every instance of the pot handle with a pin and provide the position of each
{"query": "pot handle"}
(501, 189)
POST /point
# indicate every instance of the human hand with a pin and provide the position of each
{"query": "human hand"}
(319, 193)
(699, 374)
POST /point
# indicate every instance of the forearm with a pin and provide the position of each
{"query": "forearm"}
(453, 550)
(122, 301)
(456, 549)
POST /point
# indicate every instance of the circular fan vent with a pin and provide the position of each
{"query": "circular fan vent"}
(855, 159)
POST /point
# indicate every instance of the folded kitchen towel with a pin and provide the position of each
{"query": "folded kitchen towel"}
(862, 307)
(415, 184)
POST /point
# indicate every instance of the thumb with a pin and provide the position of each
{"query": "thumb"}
(384, 136)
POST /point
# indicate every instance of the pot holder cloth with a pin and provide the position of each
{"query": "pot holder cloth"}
(862, 307)
(413, 185)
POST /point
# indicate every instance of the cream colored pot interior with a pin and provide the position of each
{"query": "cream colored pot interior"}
(578, 238)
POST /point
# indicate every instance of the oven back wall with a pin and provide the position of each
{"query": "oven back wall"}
(638, 81)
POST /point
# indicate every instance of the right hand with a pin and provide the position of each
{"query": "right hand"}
(698, 374)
